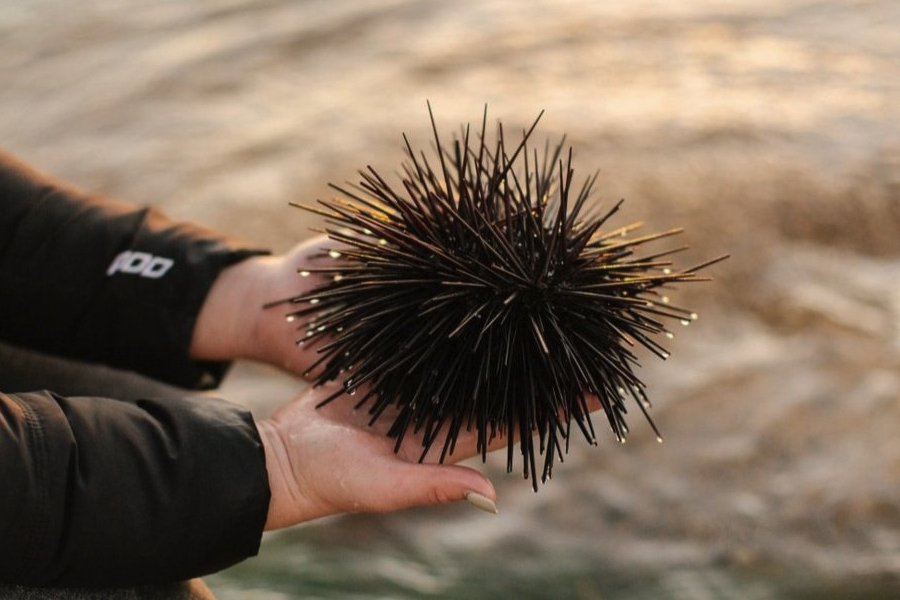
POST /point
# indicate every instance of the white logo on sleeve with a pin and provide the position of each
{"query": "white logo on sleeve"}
(140, 263)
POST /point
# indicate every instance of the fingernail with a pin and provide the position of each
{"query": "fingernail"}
(483, 502)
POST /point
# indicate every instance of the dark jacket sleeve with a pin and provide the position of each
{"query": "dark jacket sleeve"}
(107, 492)
(104, 282)
(96, 491)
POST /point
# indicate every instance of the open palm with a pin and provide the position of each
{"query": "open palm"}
(329, 459)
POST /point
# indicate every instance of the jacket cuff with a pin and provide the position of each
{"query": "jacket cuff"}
(152, 292)
(96, 280)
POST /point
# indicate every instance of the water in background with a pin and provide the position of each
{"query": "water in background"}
(768, 129)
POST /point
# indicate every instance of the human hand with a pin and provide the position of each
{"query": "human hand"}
(233, 324)
(328, 460)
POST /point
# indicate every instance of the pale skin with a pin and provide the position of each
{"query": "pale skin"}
(328, 460)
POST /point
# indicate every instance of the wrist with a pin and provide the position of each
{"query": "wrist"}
(220, 332)
(279, 474)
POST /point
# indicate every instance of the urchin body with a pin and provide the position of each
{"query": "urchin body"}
(483, 294)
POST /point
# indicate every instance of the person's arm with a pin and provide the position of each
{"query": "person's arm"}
(100, 491)
(104, 492)
(205, 307)
(87, 278)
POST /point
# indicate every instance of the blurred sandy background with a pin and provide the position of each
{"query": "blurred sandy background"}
(768, 129)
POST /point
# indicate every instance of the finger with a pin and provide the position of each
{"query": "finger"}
(305, 272)
(429, 484)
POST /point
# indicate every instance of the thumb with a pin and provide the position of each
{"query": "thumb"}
(416, 484)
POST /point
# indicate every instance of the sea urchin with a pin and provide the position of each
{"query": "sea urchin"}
(482, 293)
